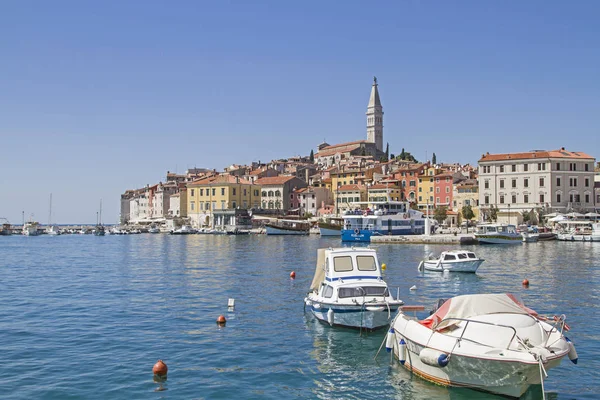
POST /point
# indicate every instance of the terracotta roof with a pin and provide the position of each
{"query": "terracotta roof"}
(327, 180)
(383, 186)
(274, 180)
(561, 153)
(215, 180)
(350, 187)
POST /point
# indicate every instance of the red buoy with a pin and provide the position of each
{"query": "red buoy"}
(293, 275)
(221, 320)
(525, 282)
(160, 368)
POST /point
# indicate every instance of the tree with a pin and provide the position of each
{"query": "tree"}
(392, 156)
(387, 152)
(494, 213)
(403, 155)
(312, 156)
(433, 159)
(439, 214)
(468, 213)
(526, 216)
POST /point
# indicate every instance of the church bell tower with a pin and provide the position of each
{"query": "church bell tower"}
(375, 118)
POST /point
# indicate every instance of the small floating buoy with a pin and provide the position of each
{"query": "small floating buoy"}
(221, 320)
(293, 275)
(525, 282)
(383, 266)
(160, 368)
(413, 287)
(231, 303)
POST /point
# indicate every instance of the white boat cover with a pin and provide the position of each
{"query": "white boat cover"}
(319, 271)
(472, 305)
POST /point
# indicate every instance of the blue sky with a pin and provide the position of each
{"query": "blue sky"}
(100, 97)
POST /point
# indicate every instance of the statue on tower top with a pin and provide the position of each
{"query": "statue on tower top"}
(375, 80)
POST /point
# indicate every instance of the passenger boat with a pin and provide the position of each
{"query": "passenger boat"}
(348, 290)
(6, 229)
(498, 234)
(453, 261)
(488, 342)
(184, 230)
(578, 231)
(330, 226)
(381, 218)
(287, 227)
(31, 228)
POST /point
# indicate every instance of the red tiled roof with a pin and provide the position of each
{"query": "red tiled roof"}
(561, 153)
(215, 180)
(274, 180)
(350, 187)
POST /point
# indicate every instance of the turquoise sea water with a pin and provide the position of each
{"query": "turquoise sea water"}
(85, 317)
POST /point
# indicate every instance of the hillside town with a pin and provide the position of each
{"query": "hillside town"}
(333, 178)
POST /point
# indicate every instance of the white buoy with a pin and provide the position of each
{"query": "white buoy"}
(231, 303)
(402, 351)
(413, 287)
(389, 341)
(330, 316)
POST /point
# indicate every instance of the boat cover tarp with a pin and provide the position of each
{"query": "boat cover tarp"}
(319, 270)
(472, 305)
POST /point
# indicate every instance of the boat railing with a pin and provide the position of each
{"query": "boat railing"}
(469, 321)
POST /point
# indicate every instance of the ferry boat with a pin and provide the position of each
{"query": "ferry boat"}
(348, 290)
(287, 227)
(498, 234)
(384, 218)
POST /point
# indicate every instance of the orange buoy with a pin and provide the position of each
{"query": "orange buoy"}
(293, 275)
(221, 320)
(160, 368)
(525, 282)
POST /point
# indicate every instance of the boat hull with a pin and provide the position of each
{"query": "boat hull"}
(567, 237)
(463, 266)
(371, 316)
(271, 230)
(330, 231)
(496, 239)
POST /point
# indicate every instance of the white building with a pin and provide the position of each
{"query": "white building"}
(547, 181)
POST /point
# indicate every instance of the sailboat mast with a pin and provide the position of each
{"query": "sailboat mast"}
(50, 211)
(100, 211)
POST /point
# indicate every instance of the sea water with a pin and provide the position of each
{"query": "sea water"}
(86, 317)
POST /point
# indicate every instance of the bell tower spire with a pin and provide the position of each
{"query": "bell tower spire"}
(375, 118)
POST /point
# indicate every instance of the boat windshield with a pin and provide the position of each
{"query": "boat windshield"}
(363, 291)
(342, 264)
(366, 263)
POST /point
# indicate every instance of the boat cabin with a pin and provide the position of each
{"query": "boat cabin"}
(496, 228)
(458, 255)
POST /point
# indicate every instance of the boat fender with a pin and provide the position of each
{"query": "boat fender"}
(389, 341)
(330, 316)
(402, 351)
(434, 358)
(572, 352)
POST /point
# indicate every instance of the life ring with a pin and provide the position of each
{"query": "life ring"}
(356, 231)
(405, 215)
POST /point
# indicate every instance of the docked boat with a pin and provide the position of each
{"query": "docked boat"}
(330, 226)
(453, 261)
(287, 227)
(348, 290)
(184, 230)
(31, 228)
(381, 218)
(488, 342)
(578, 231)
(498, 234)
(530, 237)
(53, 230)
(5, 229)
(153, 229)
(545, 234)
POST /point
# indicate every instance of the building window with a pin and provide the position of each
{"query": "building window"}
(222, 191)
(234, 205)
(437, 200)
(542, 198)
(192, 192)
(586, 167)
(256, 192)
(541, 182)
(525, 198)
(558, 197)
(525, 167)
(214, 192)
(192, 206)
(502, 199)
(526, 182)
(587, 198)
(558, 181)
(214, 205)
(487, 199)
(514, 198)
(202, 192)
(486, 184)
(558, 166)
(587, 182)
(502, 168)
(233, 192)
(514, 183)
(437, 189)
(501, 183)
(447, 189)
(541, 166)
(207, 208)
(514, 168)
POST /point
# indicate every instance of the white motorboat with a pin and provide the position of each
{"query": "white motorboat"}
(348, 290)
(184, 230)
(530, 237)
(578, 231)
(153, 229)
(498, 234)
(31, 228)
(53, 230)
(453, 260)
(488, 342)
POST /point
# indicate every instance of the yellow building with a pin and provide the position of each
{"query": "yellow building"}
(466, 194)
(355, 176)
(425, 191)
(216, 193)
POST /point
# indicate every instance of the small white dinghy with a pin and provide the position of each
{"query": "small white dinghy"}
(453, 260)
(488, 342)
(348, 290)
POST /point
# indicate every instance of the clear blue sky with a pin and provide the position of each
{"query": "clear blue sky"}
(100, 97)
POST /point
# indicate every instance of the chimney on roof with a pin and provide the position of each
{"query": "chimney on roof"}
(562, 148)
